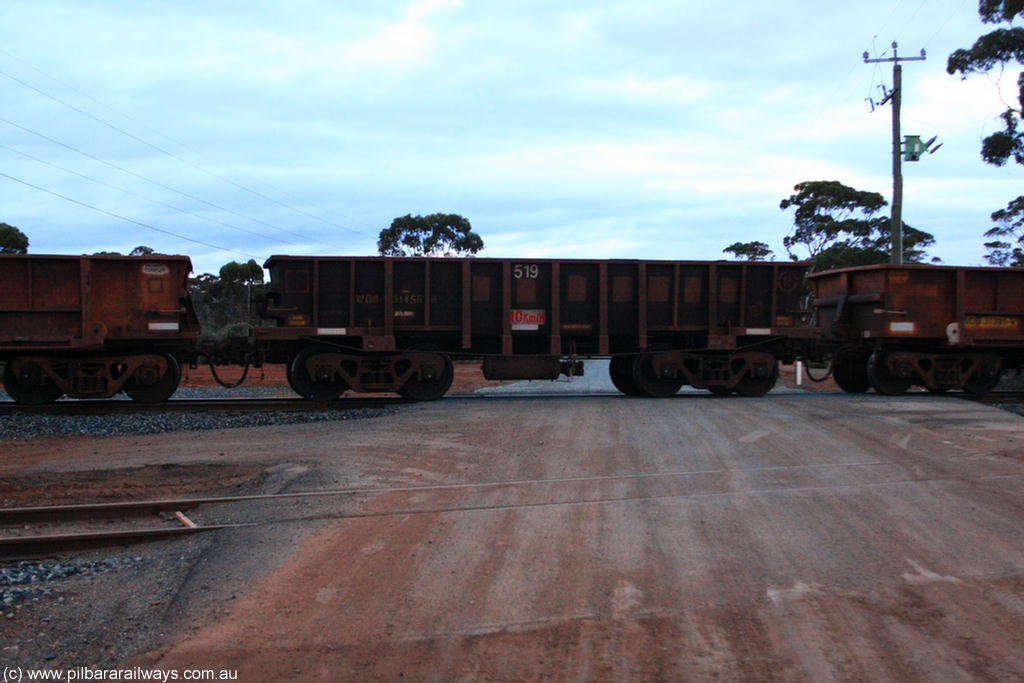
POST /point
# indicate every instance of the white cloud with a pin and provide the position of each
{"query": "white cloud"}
(947, 104)
(676, 89)
(421, 10)
(402, 43)
(701, 165)
(557, 130)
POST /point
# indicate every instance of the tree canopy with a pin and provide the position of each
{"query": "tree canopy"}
(237, 274)
(12, 240)
(1007, 249)
(224, 302)
(749, 251)
(838, 226)
(439, 234)
(995, 50)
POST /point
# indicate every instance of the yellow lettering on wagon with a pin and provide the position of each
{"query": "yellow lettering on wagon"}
(408, 299)
(1001, 321)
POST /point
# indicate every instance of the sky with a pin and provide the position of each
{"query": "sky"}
(230, 130)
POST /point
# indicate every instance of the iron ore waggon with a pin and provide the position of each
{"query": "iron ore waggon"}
(92, 326)
(940, 327)
(393, 324)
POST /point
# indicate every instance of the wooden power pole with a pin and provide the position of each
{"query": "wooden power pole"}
(896, 226)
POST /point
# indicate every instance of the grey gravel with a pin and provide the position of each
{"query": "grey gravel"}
(28, 581)
(35, 426)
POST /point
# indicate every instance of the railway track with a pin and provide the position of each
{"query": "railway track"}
(106, 407)
(40, 531)
(257, 404)
(997, 397)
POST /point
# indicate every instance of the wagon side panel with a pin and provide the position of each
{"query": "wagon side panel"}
(626, 319)
(290, 294)
(130, 299)
(580, 307)
(993, 306)
(40, 302)
(333, 296)
(954, 306)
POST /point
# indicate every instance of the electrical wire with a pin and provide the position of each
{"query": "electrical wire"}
(124, 218)
(945, 23)
(892, 13)
(136, 194)
(162, 134)
(174, 156)
(154, 182)
(911, 19)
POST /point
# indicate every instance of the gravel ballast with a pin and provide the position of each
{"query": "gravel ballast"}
(123, 424)
(28, 581)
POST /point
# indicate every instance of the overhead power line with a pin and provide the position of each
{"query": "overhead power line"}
(137, 195)
(156, 182)
(892, 13)
(123, 218)
(910, 21)
(945, 23)
(178, 158)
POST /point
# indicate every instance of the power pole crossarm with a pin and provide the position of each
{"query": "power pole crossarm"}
(896, 226)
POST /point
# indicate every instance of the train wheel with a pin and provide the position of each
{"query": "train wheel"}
(985, 378)
(29, 386)
(620, 370)
(647, 378)
(757, 382)
(147, 385)
(429, 389)
(321, 385)
(883, 380)
(850, 370)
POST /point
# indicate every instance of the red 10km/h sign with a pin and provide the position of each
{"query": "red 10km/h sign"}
(528, 319)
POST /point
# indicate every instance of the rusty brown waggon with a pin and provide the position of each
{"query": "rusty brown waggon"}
(940, 327)
(394, 324)
(92, 326)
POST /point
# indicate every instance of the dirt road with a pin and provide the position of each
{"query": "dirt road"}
(608, 539)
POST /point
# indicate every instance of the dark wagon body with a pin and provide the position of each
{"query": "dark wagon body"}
(90, 326)
(373, 324)
(942, 327)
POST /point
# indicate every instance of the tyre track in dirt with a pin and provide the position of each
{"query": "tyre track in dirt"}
(817, 538)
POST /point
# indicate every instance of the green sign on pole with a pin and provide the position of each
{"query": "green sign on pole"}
(913, 148)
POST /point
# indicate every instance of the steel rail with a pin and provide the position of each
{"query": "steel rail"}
(262, 404)
(33, 546)
(22, 515)
(108, 406)
(996, 397)
(21, 547)
(24, 547)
